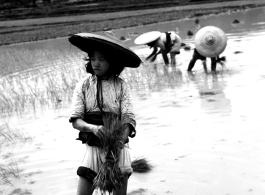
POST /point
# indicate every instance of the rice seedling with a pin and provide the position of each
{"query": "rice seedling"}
(36, 80)
(8, 173)
(20, 191)
(10, 134)
(31, 88)
(141, 165)
(109, 176)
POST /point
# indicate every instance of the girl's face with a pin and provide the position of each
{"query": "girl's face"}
(99, 64)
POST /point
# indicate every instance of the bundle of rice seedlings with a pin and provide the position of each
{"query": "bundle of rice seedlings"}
(109, 176)
(141, 165)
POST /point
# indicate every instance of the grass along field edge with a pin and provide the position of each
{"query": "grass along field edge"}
(19, 31)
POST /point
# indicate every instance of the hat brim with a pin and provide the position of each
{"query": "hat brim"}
(90, 42)
(147, 37)
(210, 41)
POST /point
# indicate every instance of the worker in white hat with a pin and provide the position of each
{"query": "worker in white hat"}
(168, 42)
(210, 41)
(197, 56)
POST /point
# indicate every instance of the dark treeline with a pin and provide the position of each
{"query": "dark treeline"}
(25, 9)
(15, 3)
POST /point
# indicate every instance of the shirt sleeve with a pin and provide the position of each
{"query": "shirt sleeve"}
(78, 103)
(127, 112)
(178, 39)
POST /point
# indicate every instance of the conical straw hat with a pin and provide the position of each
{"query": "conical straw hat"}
(147, 37)
(210, 41)
(89, 42)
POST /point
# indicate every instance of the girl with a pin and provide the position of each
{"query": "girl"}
(102, 93)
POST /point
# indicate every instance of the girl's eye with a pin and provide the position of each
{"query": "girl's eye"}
(102, 60)
(99, 59)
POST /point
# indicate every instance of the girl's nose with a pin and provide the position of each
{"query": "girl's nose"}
(96, 63)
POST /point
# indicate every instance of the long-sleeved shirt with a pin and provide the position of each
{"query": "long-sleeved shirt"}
(116, 99)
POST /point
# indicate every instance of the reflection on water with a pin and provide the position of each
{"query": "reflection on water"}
(175, 110)
(211, 90)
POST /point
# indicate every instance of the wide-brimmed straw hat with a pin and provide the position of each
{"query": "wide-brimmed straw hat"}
(147, 37)
(90, 42)
(210, 41)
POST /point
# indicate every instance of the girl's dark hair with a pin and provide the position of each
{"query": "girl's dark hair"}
(115, 67)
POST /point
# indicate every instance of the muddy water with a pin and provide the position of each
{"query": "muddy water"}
(203, 132)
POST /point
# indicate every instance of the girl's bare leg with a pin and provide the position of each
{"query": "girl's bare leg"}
(84, 187)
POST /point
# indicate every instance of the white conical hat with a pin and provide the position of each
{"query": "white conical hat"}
(147, 37)
(210, 41)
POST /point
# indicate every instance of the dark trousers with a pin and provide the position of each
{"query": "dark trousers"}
(196, 56)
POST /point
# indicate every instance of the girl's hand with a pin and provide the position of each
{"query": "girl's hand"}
(99, 131)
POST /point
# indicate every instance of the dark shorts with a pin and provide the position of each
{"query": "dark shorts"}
(198, 56)
(89, 174)
(86, 173)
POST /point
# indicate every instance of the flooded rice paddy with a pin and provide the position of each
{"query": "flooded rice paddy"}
(203, 132)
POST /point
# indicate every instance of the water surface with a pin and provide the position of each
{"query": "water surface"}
(203, 132)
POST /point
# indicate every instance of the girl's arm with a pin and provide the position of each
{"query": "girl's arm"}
(83, 126)
(78, 112)
(127, 112)
(126, 134)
